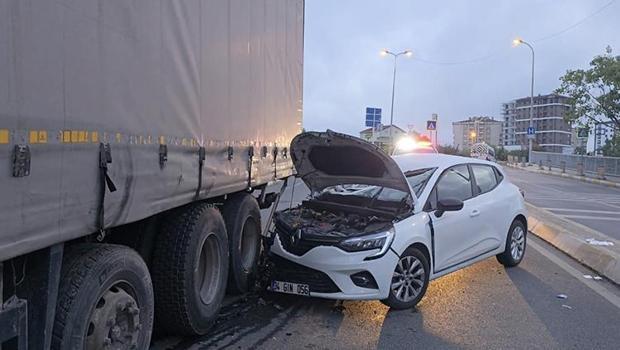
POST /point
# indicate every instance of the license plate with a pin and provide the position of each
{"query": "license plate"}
(290, 288)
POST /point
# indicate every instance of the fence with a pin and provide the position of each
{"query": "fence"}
(588, 164)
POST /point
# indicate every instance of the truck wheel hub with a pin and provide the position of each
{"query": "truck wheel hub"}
(115, 322)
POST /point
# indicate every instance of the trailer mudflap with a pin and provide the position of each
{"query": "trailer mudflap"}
(14, 322)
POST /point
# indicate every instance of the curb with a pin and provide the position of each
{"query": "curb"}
(568, 176)
(570, 237)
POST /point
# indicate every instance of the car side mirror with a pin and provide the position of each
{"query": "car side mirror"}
(448, 204)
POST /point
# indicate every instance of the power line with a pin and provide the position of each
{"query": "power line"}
(499, 52)
(550, 36)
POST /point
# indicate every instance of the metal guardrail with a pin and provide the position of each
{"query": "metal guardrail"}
(599, 166)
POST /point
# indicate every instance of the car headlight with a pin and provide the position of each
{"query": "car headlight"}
(381, 241)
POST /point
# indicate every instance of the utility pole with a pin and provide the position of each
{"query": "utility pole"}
(517, 42)
(385, 52)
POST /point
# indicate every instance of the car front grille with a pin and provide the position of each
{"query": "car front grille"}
(288, 271)
(299, 246)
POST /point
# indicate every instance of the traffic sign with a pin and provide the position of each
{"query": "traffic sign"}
(373, 117)
(431, 125)
(583, 133)
(531, 132)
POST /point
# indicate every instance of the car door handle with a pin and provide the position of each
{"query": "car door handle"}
(474, 213)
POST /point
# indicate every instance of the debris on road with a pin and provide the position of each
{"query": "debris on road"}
(567, 306)
(590, 277)
(561, 296)
(594, 241)
(338, 306)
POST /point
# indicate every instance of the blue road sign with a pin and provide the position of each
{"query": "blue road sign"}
(431, 125)
(373, 117)
(531, 132)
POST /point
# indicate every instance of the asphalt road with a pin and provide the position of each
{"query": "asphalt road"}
(595, 206)
(484, 306)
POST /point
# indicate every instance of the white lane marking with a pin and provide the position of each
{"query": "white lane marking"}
(584, 211)
(595, 286)
(606, 218)
(563, 198)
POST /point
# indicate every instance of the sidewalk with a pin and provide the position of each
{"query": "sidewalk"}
(571, 174)
(578, 241)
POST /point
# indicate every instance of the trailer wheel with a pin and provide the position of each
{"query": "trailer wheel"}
(242, 217)
(190, 266)
(105, 299)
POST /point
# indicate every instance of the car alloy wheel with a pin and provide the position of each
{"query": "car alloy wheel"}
(517, 242)
(408, 279)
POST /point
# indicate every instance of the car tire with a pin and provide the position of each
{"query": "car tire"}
(243, 225)
(105, 299)
(410, 291)
(513, 254)
(190, 268)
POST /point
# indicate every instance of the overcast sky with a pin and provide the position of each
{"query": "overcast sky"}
(344, 73)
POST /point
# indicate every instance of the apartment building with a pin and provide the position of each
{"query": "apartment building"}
(475, 130)
(553, 133)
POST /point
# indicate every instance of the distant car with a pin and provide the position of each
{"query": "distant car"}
(420, 216)
(482, 151)
(409, 145)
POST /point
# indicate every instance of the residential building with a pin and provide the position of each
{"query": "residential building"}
(476, 129)
(381, 135)
(602, 133)
(553, 133)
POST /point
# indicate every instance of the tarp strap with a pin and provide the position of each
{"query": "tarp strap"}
(275, 163)
(250, 161)
(201, 163)
(105, 158)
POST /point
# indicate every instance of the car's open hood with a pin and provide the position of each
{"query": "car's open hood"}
(324, 159)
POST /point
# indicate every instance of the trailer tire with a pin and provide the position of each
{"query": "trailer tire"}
(190, 266)
(243, 224)
(105, 297)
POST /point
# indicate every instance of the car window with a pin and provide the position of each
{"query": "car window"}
(485, 177)
(418, 178)
(498, 175)
(455, 183)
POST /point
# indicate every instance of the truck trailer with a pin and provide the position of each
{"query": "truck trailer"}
(137, 140)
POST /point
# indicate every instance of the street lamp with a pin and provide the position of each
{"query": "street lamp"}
(473, 135)
(516, 42)
(386, 52)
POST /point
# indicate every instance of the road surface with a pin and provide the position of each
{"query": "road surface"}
(595, 206)
(484, 306)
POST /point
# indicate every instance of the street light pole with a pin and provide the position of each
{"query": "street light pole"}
(516, 42)
(384, 52)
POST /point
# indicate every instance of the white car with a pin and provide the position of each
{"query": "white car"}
(420, 217)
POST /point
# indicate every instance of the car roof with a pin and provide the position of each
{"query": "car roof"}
(408, 162)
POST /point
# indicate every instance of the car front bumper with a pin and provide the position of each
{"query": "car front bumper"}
(339, 265)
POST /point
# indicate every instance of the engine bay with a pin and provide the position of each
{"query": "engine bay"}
(326, 220)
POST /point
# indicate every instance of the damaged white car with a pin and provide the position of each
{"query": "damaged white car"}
(377, 227)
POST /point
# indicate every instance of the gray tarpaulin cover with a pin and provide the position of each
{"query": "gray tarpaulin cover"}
(138, 74)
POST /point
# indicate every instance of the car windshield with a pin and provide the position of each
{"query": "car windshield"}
(418, 178)
(367, 191)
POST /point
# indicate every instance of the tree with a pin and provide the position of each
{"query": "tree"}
(594, 93)
(612, 147)
(580, 150)
(500, 153)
